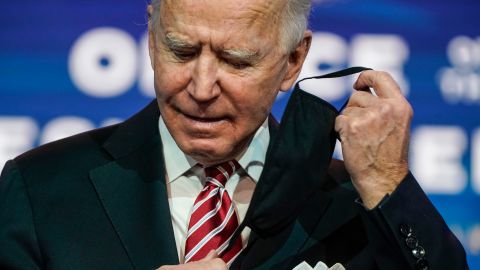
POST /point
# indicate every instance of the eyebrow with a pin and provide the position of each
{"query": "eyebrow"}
(175, 42)
(243, 54)
(172, 41)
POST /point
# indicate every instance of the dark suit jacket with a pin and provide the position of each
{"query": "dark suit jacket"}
(98, 200)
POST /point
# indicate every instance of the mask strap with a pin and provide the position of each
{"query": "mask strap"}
(341, 73)
(336, 74)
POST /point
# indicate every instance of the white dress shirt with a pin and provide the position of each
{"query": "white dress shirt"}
(185, 179)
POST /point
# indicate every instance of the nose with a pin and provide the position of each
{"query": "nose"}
(204, 78)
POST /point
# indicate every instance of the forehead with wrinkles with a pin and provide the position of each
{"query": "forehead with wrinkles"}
(264, 14)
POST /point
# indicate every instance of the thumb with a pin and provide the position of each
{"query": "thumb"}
(211, 255)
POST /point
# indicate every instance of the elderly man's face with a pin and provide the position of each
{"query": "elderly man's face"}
(218, 67)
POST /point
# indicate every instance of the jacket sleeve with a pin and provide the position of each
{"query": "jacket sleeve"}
(407, 223)
(18, 241)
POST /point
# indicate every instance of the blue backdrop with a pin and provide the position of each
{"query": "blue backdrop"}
(70, 66)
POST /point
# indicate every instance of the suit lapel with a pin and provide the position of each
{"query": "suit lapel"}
(132, 190)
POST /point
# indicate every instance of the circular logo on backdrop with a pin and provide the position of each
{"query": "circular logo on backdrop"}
(103, 62)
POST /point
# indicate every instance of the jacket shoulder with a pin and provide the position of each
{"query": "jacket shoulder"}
(75, 151)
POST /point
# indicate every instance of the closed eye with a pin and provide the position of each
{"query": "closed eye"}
(239, 64)
(184, 55)
(236, 63)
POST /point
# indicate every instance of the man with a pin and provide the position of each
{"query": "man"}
(130, 195)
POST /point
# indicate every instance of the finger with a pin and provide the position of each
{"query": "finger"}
(211, 255)
(340, 123)
(361, 99)
(381, 82)
(353, 111)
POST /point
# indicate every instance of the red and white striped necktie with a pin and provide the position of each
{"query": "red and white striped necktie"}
(213, 220)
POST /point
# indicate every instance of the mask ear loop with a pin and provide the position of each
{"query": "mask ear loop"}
(341, 73)
(338, 74)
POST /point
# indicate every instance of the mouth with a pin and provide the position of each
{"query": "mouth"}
(204, 119)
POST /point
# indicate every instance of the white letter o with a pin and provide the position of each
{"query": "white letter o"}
(103, 62)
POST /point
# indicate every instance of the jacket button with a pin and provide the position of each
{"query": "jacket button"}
(411, 242)
(418, 252)
(422, 264)
(405, 230)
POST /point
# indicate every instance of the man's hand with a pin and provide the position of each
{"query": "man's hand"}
(375, 136)
(210, 262)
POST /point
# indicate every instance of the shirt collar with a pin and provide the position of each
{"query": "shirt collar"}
(177, 162)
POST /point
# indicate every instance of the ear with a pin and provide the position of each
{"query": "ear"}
(151, 36)
(295, 61)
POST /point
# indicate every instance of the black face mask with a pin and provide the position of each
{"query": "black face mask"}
(297, 159)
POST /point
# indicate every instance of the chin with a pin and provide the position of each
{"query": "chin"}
(208, 151)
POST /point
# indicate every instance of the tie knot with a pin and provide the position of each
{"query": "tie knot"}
(220, 173)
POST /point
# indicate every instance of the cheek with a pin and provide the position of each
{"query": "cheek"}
(169, 79)
(253, 100)
(262, 91)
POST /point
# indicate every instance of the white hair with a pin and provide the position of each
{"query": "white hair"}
(293, 22)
